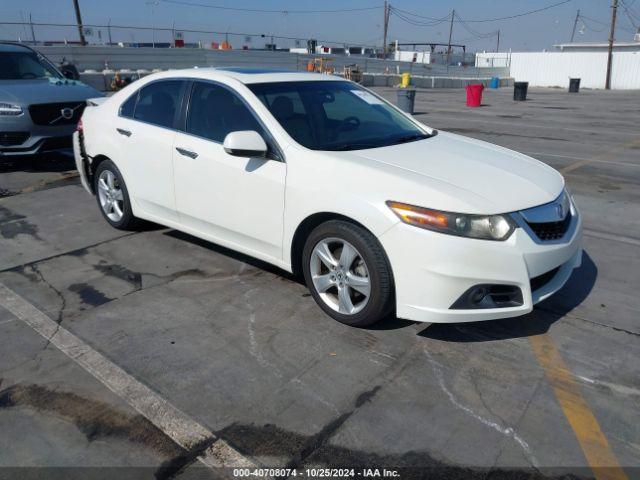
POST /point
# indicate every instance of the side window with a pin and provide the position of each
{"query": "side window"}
(126, 109)
(215, 111)
(158, 102)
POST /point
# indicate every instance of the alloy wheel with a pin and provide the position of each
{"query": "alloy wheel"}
(340, 276)
(111, 197)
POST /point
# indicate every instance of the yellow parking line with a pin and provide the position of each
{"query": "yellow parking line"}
(602, 156)
(594, 444)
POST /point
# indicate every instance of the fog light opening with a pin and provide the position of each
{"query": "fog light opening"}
(489, 296)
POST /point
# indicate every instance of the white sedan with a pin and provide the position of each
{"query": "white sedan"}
(381, 215)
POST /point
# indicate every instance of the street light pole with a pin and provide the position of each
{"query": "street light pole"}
(453, 14)
(575, 24)
(614, 7)
(153, 4)
(76, 6)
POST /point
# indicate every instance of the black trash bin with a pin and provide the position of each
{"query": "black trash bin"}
(574, 85)
(520, 91)
(406, 100)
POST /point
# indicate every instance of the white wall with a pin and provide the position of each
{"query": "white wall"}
(492, 59)
(553, 69)
(408, 56)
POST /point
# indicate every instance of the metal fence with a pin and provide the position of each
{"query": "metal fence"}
(116, 58)
(103, 52)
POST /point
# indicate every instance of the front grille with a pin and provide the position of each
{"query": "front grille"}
(541, 280)
(551, 230)
(51, 113)
(9, 139)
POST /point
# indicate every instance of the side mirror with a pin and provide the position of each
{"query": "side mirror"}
(245, 143)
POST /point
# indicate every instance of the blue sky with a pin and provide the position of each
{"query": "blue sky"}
(533, 32)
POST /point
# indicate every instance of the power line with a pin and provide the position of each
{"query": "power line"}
(519, 14)
(583, 17)
(418, 23)
(445, 18)
(186, 30)
(260, 10)
(629, 14)
(405, 15)
(473, 32)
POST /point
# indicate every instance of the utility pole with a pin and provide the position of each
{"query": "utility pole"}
(109, 30)
(33, 33)
(83, 41)
(453, 14)
(614, 11)
(575, 24)
(385, 29)
(498, 42)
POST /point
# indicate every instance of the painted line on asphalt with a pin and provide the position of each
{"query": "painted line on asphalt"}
(600, 157)
(174, 423)
(612, 237)
(586, 428)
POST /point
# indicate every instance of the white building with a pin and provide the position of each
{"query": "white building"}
(600, 47)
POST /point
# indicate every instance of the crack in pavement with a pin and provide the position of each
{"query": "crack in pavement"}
(592, 322)
(68, 252)
(508, 432)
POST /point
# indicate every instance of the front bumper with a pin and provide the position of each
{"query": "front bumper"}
(432, 270)
(39, 138)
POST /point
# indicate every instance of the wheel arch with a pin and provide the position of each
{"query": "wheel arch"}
(95, 162)
(306, 227)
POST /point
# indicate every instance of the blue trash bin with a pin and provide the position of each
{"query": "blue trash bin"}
(495, 82)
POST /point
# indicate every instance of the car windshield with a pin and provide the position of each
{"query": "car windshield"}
(335, 115)
(24, 66)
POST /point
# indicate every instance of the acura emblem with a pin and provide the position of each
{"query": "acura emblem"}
(67, 113)
(560, 210)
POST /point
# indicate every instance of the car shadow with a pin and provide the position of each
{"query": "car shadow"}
(54, 162)
(241, 257)
(545, 314)
(390, 322)
(537, 322)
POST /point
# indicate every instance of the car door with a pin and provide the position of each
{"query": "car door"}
(146, 128)
(237, 201)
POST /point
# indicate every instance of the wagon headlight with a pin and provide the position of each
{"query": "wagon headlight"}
(9, 109)
(486, 227)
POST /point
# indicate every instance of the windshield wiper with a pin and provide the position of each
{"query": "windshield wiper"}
(351, 146)
(410, 138)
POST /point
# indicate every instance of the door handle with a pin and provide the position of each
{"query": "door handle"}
(186, 153)
(124, 132)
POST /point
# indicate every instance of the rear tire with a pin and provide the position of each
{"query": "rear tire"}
(348, 273)
(113, 197)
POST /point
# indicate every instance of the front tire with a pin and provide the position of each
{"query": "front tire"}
(113, 197)
(348, 274)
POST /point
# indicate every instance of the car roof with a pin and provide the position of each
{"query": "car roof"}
(13, 47)
(253, 75)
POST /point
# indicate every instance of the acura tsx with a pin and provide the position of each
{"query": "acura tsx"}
(319, 176)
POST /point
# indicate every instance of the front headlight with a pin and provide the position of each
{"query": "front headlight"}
(486, 227)
(10, 109)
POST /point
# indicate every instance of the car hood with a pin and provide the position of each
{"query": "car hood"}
(456, 173)
(27, 92)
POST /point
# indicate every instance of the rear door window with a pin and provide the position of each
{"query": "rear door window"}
(159, 102)
(127, 108)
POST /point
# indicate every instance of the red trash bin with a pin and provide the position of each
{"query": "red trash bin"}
(474, 95)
